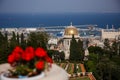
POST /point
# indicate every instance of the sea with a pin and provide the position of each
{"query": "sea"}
(60, 19)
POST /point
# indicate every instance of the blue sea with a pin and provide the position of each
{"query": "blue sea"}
(63, 19)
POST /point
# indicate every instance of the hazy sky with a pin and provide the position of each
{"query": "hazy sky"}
(58, 6)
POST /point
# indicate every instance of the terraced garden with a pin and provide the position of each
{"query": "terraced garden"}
(74, 71)
(80, 78)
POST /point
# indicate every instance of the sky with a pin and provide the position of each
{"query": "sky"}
(59, 6)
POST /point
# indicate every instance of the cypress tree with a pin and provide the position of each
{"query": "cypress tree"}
(43, 40)
(18, 39)
(80, 49)
(32, 40)
(38, 39)
(106, 45)
(23, 42)
(114, 47)
(74, 50)
(13, 42)
(3, 47)
(7, 51)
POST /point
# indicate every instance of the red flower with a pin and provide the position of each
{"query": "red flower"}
(18, 50)
(48, 59)
(40, 65)
(40, 52)
(16, 55)
(11, 58)
(28, 54)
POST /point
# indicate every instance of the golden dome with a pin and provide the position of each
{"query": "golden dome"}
(71, 30)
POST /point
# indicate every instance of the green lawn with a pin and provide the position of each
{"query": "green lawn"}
(80, 78)
(70, 70)
(64, 65)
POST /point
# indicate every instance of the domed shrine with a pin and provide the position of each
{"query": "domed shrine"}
(71, 30)
(68, 32)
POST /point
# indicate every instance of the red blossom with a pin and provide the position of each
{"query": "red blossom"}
(40, 65)
(48, 59)
(18, 50)
(40, 52)
(16, 55)
(28, 54)
(11, 59)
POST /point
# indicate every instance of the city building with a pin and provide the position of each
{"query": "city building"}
(109, 34)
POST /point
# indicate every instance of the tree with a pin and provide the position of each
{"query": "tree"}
(104, 71)
(115, 73)
(80, 49)
(95, 49)
(23, 41)
(38, 39)
(74, 50)
(107, 45)
(13, 41)
(6, 43)
(107, 48)
(4, 51)
(114, 47)
(18, 42)
(62, 55)
(80, 45)
(1, 48)
(43, 40)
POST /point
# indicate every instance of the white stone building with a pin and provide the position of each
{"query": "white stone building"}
(109, 34)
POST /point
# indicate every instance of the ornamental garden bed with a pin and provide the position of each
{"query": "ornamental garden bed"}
(73, 69)
(80, 78)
